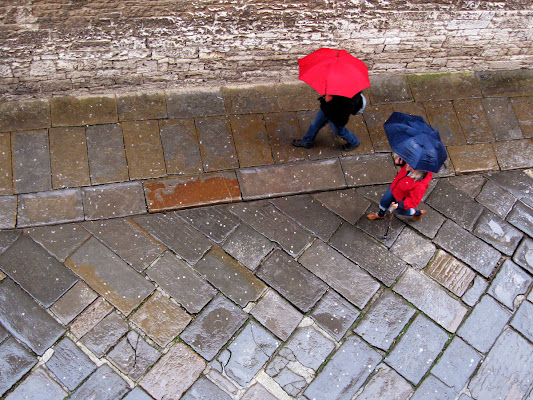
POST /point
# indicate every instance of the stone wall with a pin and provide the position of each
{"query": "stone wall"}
(65, 46)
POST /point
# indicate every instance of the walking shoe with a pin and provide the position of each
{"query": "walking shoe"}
(417, 217)
(348, 146)
(374, 216)
(300, 143)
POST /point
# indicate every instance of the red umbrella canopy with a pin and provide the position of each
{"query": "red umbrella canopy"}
(334, 72)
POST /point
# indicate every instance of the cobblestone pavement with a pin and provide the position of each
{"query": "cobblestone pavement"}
(174, 245)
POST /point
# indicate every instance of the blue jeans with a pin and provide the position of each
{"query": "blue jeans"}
(386, 201)
(320, 121)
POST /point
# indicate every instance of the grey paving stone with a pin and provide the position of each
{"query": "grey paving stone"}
(38, 386)
(455, 205)
(378, 228)
(7, 238)
(38, 273)
(503, 120)
(484, 324)
(368, 169)
(474, 293)
(413, 248)
(518, 183)
(468, 248)
(137, 394)
(386, 89)
(367, 253)
(181, 282)
(345, 372)
(258, 392)
(434, 389)
(8, 212)
(277, 314)
(180, 146)
(103, 384)
(51, 207)
(105, 334)
(524, 255)
(384, 321)
(340, 273)
(15, 362)
(216, 144)
(334, 314)
(500, 234)
(510, 282)
(128, 242)
(222, 381)
(115, 200)
(521, 216)
(83, 110)
(427, 226)
(248, 353)
(268, 220)
(417, 349)
(70, 364)
(504, 83)
(72, 303)
(215, 222)
(291, 280)
(31, 162)
(176, 234)
(195, 103)
(141, 106)
(24, 115)
(204, 389)
(247, 246)
(133, 355)
(233, 279)
(386, 384)
(251, 100)
(496, 199)
(457, 364)
(348, 204)
(310, 214)
(111, 277)
(508, 368)
(88, 319)
(522, 320)
(470, 184)
(60, 241)
(213, 327)
(290, 382)
(450, 273)
(3, 334)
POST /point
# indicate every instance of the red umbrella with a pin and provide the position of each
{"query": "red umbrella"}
(334, 72)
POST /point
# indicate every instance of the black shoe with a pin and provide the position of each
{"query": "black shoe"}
(300, 143)
(348, 146)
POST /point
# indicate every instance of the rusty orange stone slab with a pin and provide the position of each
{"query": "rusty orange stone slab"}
(191, 191)
(6, 178)
(251, 140)
(473, 158)
(375, 117)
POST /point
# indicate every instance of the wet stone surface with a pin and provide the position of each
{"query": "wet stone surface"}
(15, 361)
(450, 273)
(413, 248)
(203, 388)
(474, 293)
(496, 199)
(104, 383)
(247, 246)
(510, 282)
(522, 320)
(433, 387)
(31, 162)
(215, 222)
(38, 386)
(105, 334)
(112, 201)
(500, 234)
(524, 255)
(60, 241)
(347, 203)
(386, 383)
(72, 303)
(521, 216)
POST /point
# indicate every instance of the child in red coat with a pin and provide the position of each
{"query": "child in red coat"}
(405, 192)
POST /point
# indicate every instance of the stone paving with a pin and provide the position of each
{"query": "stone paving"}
(176, 246)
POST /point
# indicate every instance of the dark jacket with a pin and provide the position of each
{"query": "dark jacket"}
(339, 109)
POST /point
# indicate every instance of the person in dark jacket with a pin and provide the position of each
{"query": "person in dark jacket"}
(336, 110)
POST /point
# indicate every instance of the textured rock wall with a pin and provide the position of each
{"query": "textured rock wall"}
(61, 46)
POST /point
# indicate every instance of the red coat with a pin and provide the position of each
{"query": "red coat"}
(407, 190)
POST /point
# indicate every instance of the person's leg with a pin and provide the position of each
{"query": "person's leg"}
(349, 137)
(318, 123)
(408, 212)
(384, 203)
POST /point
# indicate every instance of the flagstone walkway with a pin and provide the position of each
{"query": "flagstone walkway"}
(169, 245)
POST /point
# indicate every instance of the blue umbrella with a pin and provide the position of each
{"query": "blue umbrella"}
(415, 142)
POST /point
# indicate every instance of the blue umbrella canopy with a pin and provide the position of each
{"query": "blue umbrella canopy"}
(415, 141)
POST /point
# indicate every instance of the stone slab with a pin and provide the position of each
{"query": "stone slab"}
(137, 394)
(216, 144)
(181, 282)
(386, 383)
(427, 226)
(144, 151)
(52, 207)
(450, 273)
(110, 165)
(191, 191)
(326, 144)
(521, 216)
(388, 89)
(189, 103)
(378, 228)
(114, 200)
(37, 386)
(90, 317)
(141, 106)
(444, 86)
(498, 233)
(88, 110)
(161, 319)
(72, 303)
(522, 320)
(247, 246)
(213, 327)
(282, 128)
(432, 387)
(474, 293)
(368, 169)
(348, 204)
(280, 271)
(8, 212)
(180, 146)
(24, 115)
(518, 183)
(417, 349)
(496, 199)
(108, 275)
(26, 320)
(203, 388)
(442, 117)
(105, 334)
(296, 96)
(251, 99)
(411, 108)
(522, 107)
(59, 240)
(524, 255)
(68, 157)
(375, 117)
(282, 180)
(104, 384)
(340, 273)
(15, 362)
(414, 249)
(473, 158)
(258, 392)
(31, 161)
(506, 83)
(251, 140)
(474, 121)
(510, 282)
(6, 174)
(472, 185)
(514, 154)
(504, 123)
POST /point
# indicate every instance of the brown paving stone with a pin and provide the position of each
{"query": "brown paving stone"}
(375, 117)
(411, 108)
(68, 156)
(78, 111)
(144, 151)
(473, 120)
(53, 207)
(216, 144)
(59, 240)
(161, 319)
(193, 190)
(501, 116)
(105, 334)
(523, 109)
(446, 86)
(368, 169)
(297, 96)
(6, 179)
(506, 83)
(473, 158)
(514, 154)
(114, 200)
(8, 212)
(180, 146)
(279, 180)
(251, 100)
(251, 140)
(24, 115)
(189, 103)
(325, 144)
(347, 203)
(443, 118)
(141, 106)
(389, 89)
(72, 303)
(282, 128)
(90, 317)
(453, 274)
(107, 157)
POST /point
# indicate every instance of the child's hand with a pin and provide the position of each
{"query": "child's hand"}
(394, 205)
